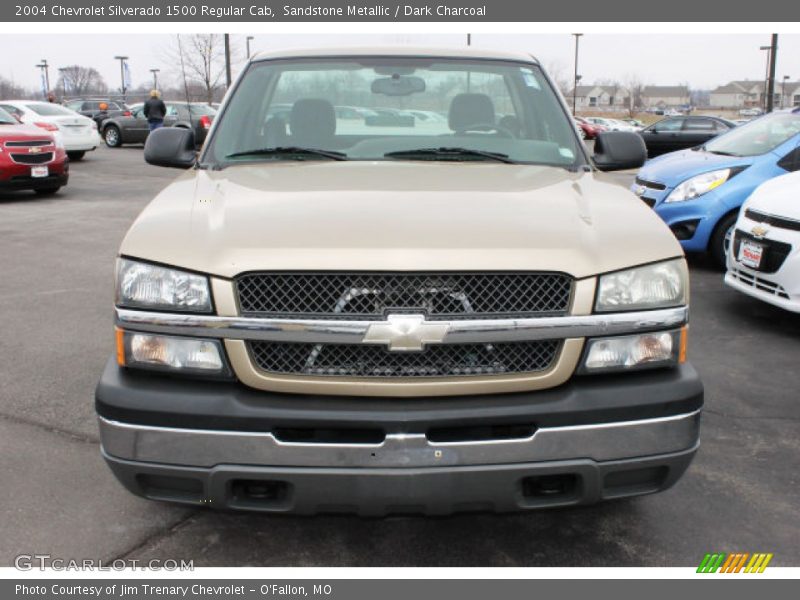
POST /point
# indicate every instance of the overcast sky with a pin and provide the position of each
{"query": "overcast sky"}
(704, 61)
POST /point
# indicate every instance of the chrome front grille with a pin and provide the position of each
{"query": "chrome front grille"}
(371, 296)
(448, 360)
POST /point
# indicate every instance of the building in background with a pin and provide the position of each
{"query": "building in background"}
(601, 97)
(665, 96)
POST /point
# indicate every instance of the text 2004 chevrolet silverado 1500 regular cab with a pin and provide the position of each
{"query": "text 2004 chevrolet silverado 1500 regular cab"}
(391, 282)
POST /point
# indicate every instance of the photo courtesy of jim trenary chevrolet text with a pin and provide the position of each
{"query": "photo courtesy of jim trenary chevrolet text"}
(345, 299)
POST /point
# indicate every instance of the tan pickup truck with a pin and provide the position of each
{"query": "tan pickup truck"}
(392, 282)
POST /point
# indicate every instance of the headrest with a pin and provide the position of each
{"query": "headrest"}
(467, 110)
(312, 121)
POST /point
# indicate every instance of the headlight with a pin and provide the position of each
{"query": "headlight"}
(659, 285)
(643, 351)
(698, 185)
(170, 353)
(142, 285)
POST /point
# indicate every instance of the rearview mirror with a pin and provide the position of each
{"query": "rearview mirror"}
(171, 147)
(617, 150)
(398, 85)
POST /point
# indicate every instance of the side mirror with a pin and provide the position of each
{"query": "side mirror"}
(171, 147)
(618, 150)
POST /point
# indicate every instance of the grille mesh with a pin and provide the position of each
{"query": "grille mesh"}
(351, 360)
(32, 159)
(372, 295)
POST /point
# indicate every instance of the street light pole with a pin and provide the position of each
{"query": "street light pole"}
(575, 77)
(46, 69)
(249, 37)
(122, 60)
(155, 73)
(62, 70)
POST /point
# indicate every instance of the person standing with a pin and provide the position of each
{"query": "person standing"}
(155, 110)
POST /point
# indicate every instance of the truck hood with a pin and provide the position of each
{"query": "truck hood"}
(676, 167)
(397, 216)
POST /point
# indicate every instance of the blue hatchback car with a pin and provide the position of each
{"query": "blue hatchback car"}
(698, 192)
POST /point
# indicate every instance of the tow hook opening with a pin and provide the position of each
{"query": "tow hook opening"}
(550, 489)
(259, 493)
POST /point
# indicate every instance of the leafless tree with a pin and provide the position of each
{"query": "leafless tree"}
(560, 76)
(200, 58)
(76, 80)
(635, 87)
(10, 91)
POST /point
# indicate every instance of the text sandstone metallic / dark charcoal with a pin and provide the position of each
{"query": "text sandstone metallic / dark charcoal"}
(373, 295)
(355, 360)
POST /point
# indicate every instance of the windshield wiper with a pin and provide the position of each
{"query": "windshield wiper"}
(290, 150)
(447, 152)
(719, 152)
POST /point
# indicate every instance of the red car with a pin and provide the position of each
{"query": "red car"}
(30, 158)
(588, 130)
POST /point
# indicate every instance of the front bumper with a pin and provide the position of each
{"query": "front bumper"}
(214, 443)
(25, 182)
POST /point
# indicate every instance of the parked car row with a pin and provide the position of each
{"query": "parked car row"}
(77, 133)
(736, 197)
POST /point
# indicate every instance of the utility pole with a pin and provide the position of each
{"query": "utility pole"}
(227, 60)
(773, 55)
(122, 60)
(46, 69)
(575, 78)
(63, 70)
(249, 37)
(783, 91)
(155, 73)
(469, 39)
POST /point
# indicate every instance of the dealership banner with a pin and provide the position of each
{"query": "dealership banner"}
(400, 11)
(398, 589)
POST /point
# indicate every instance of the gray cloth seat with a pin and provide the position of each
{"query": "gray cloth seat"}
(470, 110)
(312, 122)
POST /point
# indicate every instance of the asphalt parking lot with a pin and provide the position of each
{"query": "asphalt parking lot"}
(58, 497)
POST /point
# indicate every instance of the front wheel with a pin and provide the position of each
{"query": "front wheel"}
(722, 238)
(76, 155)
(112, 137)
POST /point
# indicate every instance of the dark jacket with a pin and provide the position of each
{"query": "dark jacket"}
(155, 109)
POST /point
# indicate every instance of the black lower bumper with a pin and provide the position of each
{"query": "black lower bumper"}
(221, 444)
(153, 399)
(379, 492)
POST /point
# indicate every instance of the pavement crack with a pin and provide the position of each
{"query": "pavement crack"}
(75, 437)
(157, 536)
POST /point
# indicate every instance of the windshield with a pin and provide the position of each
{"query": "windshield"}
(49, 110)
(757, 137)
(6, 119)
(388, 109)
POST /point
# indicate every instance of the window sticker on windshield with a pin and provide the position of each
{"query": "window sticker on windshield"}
(566, 153)
(530, 79)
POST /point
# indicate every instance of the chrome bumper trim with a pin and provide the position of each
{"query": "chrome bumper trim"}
(353, 332)
(208, 448)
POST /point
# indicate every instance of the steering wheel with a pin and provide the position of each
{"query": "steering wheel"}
(506, 133)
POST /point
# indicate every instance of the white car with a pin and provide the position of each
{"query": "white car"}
(77, 133)
(611, 124)
(764, 254)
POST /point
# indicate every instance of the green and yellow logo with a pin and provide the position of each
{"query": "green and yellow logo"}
(738, 562)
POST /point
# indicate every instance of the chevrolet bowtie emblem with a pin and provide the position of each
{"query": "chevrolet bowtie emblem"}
(759, 231)
(34, 150)
(406, 333)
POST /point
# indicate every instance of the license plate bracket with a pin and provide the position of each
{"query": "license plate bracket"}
(750, 254)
